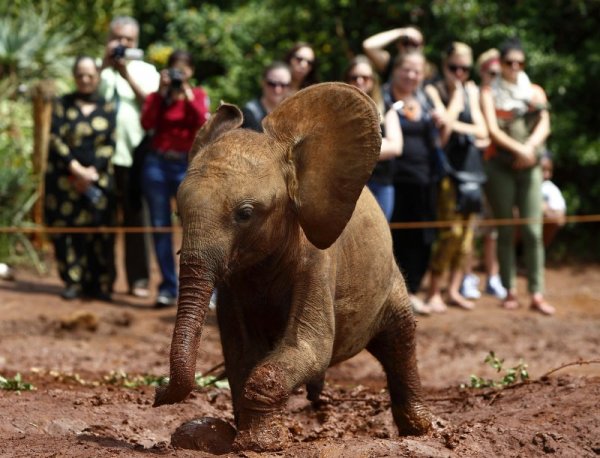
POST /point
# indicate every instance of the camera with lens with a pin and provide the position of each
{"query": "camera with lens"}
(118, 52)
(176, 77)
(123, 52)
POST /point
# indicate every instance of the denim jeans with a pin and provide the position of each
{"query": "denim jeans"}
(384, 194)
(160, 179)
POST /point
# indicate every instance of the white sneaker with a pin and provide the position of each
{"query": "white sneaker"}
(213, 301)
(470, 287)
(495, 288)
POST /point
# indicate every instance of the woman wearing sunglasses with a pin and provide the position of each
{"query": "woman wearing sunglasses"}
(303, 64)
(276, 80)
(460, 191)
(360, 74)
(517, 117)
(488, 66)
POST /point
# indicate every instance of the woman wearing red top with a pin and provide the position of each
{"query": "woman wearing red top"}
(174, 114)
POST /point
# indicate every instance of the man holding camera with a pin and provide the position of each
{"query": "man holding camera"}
(127, 80)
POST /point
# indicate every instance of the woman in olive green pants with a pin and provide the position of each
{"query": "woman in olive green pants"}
(518, 121)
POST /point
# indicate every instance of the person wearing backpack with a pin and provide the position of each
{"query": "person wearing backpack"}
(460, 193)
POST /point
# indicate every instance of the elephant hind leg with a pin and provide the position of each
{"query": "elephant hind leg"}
(314, 389)
(395, 348)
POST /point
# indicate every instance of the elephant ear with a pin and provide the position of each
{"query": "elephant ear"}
(332, 137)
(227, 117)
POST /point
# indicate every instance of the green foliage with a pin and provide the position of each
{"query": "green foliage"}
(209, 380)
(85, 22)
(31, 49)
(511, 376)
(121, 378)
(232, 41)
(16, 180)
(15, 384)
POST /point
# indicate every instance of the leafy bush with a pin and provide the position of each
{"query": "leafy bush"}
(16, 179)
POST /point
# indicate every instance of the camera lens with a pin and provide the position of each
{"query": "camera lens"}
(118, 52)
(176, 78)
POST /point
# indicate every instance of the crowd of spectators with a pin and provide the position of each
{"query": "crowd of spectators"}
(451, 151)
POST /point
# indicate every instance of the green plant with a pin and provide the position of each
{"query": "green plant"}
(15, 384)
(512, 375)
(17, 184)
(121, 378)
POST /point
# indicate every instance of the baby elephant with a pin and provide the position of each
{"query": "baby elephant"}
(282, 225)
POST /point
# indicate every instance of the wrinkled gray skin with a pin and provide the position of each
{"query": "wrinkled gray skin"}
(282, 225)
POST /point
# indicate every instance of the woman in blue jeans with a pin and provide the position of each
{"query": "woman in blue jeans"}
(174, 113)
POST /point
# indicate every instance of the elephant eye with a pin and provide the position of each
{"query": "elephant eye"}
(244, 212)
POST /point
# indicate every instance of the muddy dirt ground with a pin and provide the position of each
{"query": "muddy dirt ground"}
(76, 354)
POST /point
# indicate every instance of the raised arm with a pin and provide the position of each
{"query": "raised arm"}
(374, 46)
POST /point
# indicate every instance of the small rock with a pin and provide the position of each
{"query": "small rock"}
(64, 426)
(206, 434)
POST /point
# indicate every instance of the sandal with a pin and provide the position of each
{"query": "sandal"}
(540, 305)
(510, 302)
(418, 306)
(436, 304)
(461, 301)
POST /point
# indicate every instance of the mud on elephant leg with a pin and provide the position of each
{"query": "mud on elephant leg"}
(395, 348)
(260, 413)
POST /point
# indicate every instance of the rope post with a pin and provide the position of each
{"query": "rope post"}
(41, 97)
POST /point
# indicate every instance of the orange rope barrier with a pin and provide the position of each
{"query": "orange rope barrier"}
(393, 225)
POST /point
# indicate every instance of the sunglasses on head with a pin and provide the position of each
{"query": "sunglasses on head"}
(454, 68)
(304, 59)
(275, 84)
(356, 77)
(513, 62)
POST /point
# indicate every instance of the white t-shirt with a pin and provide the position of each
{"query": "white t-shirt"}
(553, 197)
(129, 132)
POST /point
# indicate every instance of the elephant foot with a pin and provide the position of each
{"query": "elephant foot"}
(260, 418)
(205, 434)
(414, 420)
(267, 434)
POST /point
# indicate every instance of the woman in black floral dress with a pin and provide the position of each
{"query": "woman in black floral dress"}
(80, 185)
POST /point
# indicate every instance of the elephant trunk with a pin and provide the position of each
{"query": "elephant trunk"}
(195, 288)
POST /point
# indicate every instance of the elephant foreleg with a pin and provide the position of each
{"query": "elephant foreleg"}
(266, 392)
(260, 412)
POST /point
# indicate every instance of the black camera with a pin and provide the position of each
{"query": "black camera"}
(176, 78)
(118, 52)
(123, 52)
